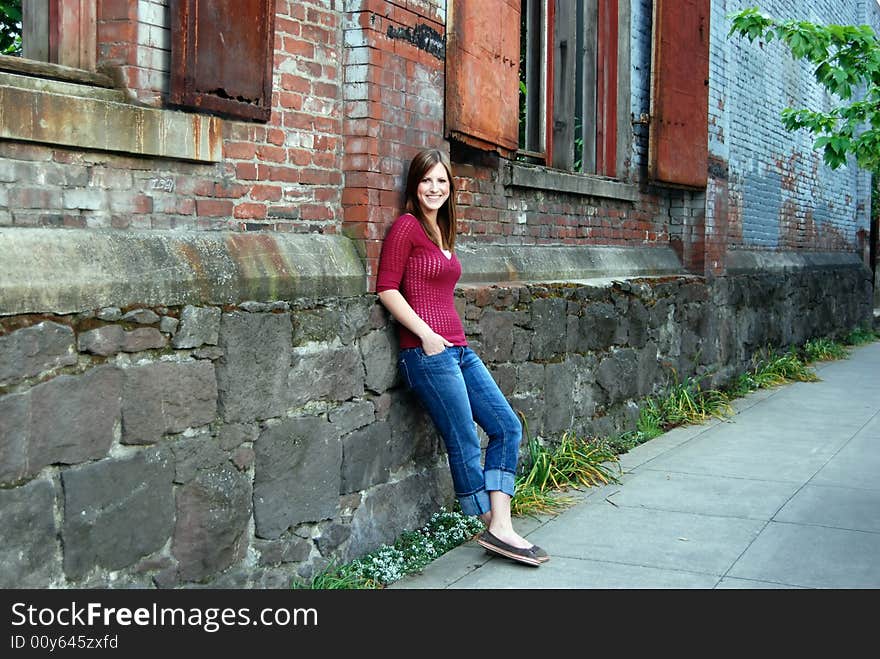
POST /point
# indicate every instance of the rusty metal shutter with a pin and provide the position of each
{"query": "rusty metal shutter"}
(482, 74)
(678, 145)
(222, 54)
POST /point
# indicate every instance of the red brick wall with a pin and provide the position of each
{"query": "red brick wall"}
(393, 107)
(285, 175)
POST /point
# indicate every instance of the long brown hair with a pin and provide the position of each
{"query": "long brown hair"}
(446, 214)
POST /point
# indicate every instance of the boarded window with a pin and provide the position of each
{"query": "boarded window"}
(482, 74)
(60, 32)
(222, 54)
(678, 151)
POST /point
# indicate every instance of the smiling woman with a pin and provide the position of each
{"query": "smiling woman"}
(418, 272)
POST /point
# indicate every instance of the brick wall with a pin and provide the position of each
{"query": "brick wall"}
(358, 89)
(781, 195)
(394, 82)
(285, 175)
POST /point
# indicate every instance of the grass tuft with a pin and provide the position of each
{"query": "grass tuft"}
(861, 335)
(573, 463)
(821, 350)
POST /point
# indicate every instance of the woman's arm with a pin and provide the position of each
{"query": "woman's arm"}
(432, 343)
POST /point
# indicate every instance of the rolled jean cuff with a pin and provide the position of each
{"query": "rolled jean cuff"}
(476, 503)
(498, 479)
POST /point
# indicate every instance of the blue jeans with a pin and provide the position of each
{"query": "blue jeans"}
(456, 389)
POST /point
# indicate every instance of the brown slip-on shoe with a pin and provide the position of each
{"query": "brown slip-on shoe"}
(496, 546)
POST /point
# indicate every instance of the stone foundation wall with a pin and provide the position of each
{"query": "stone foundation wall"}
(243, 445)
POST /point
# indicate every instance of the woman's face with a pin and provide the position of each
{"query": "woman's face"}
(433, 190)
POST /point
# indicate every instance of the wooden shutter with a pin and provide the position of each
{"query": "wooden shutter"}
(482, 74)
(60, 32)
(222, 54)
(678, 146)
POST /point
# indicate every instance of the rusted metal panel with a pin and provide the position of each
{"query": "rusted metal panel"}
(222, 54)
(482, 74)
(678, 145)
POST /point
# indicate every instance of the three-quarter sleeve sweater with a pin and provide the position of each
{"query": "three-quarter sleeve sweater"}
(425, 276)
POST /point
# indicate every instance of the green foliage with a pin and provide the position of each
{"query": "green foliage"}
(861, 335)
(820, 350)
(574, 462)
(771, 370)
(682, 403)
(846, 59)
(412, 551)
(10, 27)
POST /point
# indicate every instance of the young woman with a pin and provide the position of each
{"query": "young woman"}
(418, 272)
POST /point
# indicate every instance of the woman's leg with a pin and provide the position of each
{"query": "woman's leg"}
(437, 381)
(504, 429)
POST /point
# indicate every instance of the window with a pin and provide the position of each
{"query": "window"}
(212, 56)
(572, 84)
(55, 31)
(542, 81)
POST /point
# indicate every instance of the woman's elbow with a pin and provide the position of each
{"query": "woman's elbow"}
(386, 295)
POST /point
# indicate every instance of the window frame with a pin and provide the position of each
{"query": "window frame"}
(606, 141)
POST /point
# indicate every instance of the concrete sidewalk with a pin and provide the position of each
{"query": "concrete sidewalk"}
(784, 494)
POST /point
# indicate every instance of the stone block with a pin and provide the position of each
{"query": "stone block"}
(497, 335)
(351, 416)
(366, 457)
(232, 435)
(597, 327)
(167, 397)
(414, 439)
(143, 338)
(297, 475)
(116, 512)
(34, 350)
(379, 351)
(285, 550)
(617, 375)
(549, 323)
(332, 537)
(558, 385)
(213, 512)
(325, 371)
(73, 418)
(15, 412)
(30, 554)
(252, 375)
(104, 341)
(198, 326)
(141, 317)
(396, 507)
(195, 454)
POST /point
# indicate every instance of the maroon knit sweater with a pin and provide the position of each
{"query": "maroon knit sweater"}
(413, 265)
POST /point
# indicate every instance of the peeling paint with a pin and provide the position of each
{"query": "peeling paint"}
(422, 37)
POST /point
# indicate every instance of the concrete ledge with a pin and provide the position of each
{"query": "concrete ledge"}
(91, 121)
(535, 176)
(73, 270)
(742, 261)
(547, 263)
